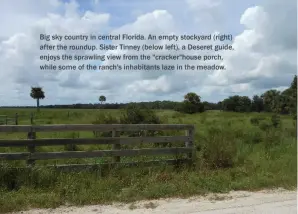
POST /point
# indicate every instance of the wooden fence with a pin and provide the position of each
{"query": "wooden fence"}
(5, 120)
(14, 120)
(116, 140)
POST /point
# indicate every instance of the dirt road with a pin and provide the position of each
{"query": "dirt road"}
(264, 202)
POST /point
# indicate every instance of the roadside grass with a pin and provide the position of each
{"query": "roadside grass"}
(235, 151)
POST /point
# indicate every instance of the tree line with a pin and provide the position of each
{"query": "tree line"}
(281, 102)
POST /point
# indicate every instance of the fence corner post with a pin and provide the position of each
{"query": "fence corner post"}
(190, 144)
(116, 146)
(31, 148)
(16, 119)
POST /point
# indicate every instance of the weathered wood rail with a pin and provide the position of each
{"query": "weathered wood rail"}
(116, 140)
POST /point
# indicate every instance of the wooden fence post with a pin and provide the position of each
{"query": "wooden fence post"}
(6, 120)
(31, 148)
(16, 119)
(31, 118)
(116, 146)
(189, 144)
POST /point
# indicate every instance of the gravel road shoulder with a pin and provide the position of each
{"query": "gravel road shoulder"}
(239, 202)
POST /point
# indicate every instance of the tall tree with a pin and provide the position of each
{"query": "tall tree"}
(237, 103)
(102, 99)
(257, 104)
(37, 93)
(244, 104)
(192, 97)
(271, 99)
(191, 104)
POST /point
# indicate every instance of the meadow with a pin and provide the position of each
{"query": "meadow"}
(235, 151)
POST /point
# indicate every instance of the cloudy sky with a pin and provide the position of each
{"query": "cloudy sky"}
(264, 56)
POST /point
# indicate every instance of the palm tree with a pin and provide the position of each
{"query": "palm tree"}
(37, 93)
(102, 99)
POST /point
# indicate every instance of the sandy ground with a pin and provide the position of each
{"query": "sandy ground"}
(264, 202)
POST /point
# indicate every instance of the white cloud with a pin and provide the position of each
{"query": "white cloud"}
(254, 17)
(263, 57)
(206, 11)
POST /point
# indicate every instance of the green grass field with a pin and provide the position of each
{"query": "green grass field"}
(235, 151)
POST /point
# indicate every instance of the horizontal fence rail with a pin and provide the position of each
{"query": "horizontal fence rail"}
(92, 127)
(116, 140)
(82, 141)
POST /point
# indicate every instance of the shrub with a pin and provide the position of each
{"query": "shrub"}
(190, 108)
(275, 120)
(219, 149)
(133, 114)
